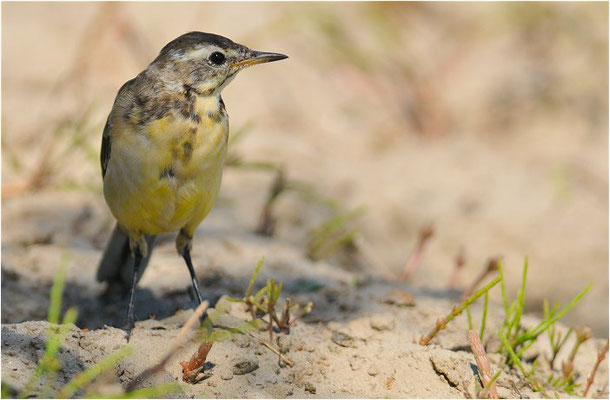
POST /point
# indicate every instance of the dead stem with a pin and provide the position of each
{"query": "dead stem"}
(37, 178)
(195, 365)
(582, 335)
(276, 352)
(460, 261)
(173, 348)
(483, 364)
(306, 310)
(601, 355)
(492, 266)
(425, 233)
(267, 221)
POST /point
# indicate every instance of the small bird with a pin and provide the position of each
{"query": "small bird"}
(163, 150)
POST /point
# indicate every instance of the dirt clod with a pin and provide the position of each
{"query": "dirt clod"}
(244, 367)
(382, 322)
(309, 387)
(283, 342)
(342, 339)
(226, 375)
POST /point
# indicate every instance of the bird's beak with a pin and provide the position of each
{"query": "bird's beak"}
(258, 57)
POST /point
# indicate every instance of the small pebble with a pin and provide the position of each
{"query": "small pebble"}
(382, 322)
(342, 339)
(399, 298)
(309, 387)
(373, 371)
(226, 375)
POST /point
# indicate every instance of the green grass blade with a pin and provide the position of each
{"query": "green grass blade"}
(260, 293)
(484, 318)
(158, 391)
(535, 385)
(234, 300)
(57, 290)
(49, 364)
(503, 286)
(533, 333)
(254, 275)
(493, 379)
(473, 298)
(469, 318)
(524, 349)
(565, 338)
(425, 340)
(514, 324)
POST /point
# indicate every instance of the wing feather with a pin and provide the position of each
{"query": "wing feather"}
(106, 146)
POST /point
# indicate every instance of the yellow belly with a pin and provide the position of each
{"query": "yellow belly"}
(168, 178)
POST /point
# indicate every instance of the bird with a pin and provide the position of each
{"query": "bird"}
(162, 152)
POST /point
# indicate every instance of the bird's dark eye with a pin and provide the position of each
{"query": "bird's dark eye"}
(217, 57)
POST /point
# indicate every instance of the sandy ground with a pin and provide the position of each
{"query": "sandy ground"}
(504, 158)
(357, 342)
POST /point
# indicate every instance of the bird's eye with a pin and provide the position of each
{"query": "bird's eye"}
(217, 57)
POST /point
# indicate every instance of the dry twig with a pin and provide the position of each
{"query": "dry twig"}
(276, 352)
(173, 348)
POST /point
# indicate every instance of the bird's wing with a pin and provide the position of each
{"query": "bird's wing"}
(106, 136)
(105, 152)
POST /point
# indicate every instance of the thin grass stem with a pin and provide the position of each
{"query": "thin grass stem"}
(484, 318)
(533, 382)
(442, 323)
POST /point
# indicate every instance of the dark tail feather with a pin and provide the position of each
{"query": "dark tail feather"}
(116, 266)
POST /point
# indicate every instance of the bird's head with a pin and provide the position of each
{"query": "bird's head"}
(205, 62)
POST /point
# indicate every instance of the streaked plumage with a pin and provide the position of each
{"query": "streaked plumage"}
(163, 149)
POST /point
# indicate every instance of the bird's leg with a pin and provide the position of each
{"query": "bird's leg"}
(183, 245)
(137, 260)
(187, 257)
(139, 250)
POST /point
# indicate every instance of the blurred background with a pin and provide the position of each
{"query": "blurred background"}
(487, 122)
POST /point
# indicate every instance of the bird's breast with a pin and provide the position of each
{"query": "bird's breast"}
(169, 174)
(190, 143)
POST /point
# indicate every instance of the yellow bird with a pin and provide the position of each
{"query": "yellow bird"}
(163, 149)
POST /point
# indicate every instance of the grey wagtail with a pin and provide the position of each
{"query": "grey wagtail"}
(163, 149)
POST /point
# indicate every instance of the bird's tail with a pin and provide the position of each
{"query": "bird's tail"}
(116, 266)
